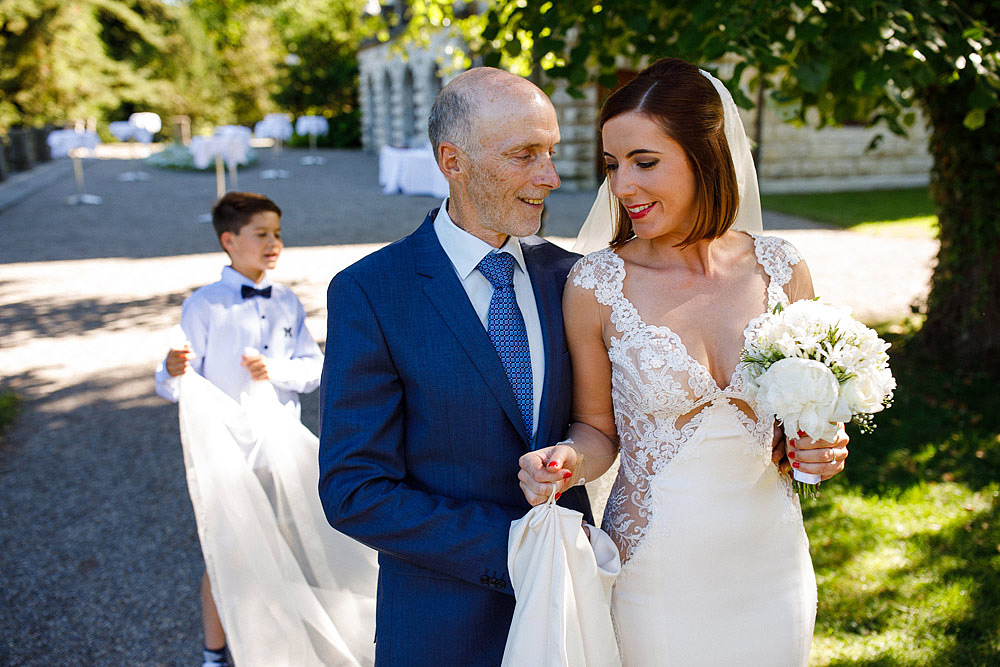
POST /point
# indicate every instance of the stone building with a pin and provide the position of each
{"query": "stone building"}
(398, 87)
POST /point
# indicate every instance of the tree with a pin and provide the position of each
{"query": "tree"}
(843, 59)
(50, 58)
(102, 59)
(320, 74)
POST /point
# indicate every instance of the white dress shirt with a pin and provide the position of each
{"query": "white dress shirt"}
(219, 324)
(465, 252)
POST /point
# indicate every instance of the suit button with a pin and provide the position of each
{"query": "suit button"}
(484, 580)
(501, 584)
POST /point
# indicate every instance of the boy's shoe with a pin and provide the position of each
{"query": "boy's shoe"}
(218, 658)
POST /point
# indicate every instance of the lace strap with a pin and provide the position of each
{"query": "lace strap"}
(777, 257)
(603, 272)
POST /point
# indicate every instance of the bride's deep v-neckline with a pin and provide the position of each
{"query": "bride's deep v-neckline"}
(676, 339)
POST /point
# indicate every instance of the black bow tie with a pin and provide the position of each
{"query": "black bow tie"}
(248, 292)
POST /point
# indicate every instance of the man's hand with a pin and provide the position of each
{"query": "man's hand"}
(179, 360)
(819, 457)
(544, 468)
(256, 365)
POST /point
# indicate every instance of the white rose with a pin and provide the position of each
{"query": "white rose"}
(867, 389)
(804, 394)
(810, 314)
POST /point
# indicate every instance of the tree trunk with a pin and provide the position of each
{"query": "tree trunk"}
(963, 309)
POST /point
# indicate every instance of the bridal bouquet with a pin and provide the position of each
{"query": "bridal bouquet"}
(813, 365)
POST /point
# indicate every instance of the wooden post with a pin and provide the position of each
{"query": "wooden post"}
(220, 178)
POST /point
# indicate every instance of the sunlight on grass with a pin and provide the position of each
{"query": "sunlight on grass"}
(923, 227)
(907, 213)
(893, 588)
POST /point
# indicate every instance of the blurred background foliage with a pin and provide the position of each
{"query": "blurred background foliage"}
(216, 62)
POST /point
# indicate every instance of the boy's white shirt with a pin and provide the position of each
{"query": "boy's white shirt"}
(219, 324)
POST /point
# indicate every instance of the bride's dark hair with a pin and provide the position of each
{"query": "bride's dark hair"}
(685, 104)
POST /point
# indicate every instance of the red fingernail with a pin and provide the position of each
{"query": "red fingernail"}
(567, 474)
(557, 495)
(791, 455)
(795, 464)
(802, 434)
(791, 442)
(553, 464)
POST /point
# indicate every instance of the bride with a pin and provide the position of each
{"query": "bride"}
(716, 567)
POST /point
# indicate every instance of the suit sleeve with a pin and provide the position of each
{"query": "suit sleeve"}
(363, 477)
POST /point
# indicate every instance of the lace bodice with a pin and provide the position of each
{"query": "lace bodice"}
(661, 393)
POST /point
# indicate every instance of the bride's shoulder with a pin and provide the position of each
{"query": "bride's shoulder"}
(594, 269)
(774, 251)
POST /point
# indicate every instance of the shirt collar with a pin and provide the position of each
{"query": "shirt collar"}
(465, 250)
(235, 279)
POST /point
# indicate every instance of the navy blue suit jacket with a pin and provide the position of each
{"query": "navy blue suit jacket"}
(420, 436)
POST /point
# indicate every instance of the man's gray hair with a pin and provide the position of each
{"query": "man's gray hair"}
(451, 119)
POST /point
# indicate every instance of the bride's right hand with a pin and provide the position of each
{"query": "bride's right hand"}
(542, 468)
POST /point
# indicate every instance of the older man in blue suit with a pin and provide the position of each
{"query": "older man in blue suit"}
(445, 362)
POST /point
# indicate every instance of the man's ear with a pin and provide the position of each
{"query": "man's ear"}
(451, 160)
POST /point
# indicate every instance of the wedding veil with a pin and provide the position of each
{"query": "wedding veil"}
(598, 228)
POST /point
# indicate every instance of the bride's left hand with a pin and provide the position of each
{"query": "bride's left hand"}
(819, 457)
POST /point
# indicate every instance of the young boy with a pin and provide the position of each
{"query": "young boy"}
(243, 310)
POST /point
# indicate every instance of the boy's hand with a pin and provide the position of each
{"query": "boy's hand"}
(179, 360)
(256, 365)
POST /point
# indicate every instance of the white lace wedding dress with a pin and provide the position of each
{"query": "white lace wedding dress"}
(716, 561)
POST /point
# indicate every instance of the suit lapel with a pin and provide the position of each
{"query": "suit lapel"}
(445, 292)
(549, 303)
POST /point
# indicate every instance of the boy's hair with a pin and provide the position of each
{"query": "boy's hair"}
(234, 210)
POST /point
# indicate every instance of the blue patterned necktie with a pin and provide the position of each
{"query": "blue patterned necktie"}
(506, 328)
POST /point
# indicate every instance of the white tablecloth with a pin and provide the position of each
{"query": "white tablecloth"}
(412, 171)
(315, 125)
(61, 142)
(274, 126)
(231, 142)
(146, 120)
(124, 130)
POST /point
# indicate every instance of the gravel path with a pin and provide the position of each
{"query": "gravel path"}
(98, 549)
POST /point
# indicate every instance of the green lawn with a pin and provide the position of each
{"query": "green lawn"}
(899, 212)
(906, 542)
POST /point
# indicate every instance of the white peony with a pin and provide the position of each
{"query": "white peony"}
(805, 395)
(867, 389)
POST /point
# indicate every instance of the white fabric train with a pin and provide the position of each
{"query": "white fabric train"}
(290, 590)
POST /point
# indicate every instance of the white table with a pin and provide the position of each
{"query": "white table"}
(412, 171)
(312, 126)
(275, 126)
(76, 145)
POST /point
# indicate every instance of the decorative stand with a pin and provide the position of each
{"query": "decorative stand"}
(278, 127)
(76, 145)
(139, 128)
(81, 197)
(312, 126)
(228, 147)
